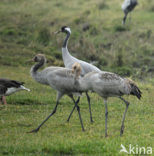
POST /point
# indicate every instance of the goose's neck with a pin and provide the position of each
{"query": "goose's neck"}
(66, 40)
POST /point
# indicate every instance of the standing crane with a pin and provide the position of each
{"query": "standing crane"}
(8, 87)
(69, 60)
(128, 6)
(58, 78)
(106, 84)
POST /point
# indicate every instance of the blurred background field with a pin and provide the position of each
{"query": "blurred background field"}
(26, 28)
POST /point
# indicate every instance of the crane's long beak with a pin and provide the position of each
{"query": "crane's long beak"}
(29, 61)
(57, 32)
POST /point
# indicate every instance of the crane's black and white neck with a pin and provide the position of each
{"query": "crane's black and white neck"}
(65, 53)
(66, 30)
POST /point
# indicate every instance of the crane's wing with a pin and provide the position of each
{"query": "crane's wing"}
(108, 76)
(85, 67)
(62, 80)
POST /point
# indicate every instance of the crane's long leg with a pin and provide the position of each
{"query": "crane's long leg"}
(59, 95)
(106, 116)
(124, 19)
(72, 109)
(88, 99)
(78, 109)
(124, 115)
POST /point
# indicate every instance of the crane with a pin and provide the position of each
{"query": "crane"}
(58, 78)
(106, 84)
(128, 6)
(69, 60)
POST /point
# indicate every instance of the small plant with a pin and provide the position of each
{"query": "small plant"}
(119, 59)
(123, 71)
(94, 31)
(102, 6)
(44, 36)
(120, 28)
(151, 8)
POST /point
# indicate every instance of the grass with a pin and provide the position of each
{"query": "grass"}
(25, 111)
(26, 28)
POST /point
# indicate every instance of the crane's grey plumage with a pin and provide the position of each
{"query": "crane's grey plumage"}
(128, 6)
(107, 84)
(59, 78)
(8, 87)
(69, 60)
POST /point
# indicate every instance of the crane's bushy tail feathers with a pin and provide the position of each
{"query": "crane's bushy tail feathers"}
(135, 91)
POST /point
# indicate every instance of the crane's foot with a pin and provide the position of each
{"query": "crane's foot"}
(122, 130)
(68, 120)
(83, 129)
(34, 130)
(92, 121)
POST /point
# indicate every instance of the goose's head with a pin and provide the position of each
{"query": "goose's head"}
(64, 29)
(39, 58)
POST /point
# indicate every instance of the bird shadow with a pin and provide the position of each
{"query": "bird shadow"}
(26, 102)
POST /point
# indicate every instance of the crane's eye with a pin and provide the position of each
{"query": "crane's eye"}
(63, 28)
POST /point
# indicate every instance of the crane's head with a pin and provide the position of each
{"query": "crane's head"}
(39, 57)
(76, 69)
(64, 29)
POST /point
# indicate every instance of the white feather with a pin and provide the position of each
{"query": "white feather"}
(68, 29)
(125, 4)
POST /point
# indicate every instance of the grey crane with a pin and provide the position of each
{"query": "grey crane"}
(69, 60)
(8, 87)
(60, 79)
(128, 6)
(107, 85)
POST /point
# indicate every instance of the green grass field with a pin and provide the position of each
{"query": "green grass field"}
(26, 28)
(25, 111)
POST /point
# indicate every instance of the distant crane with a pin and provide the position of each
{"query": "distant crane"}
(128, 6)
(60, 79)
(8, 87)
(107, 85)
(69, 60)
